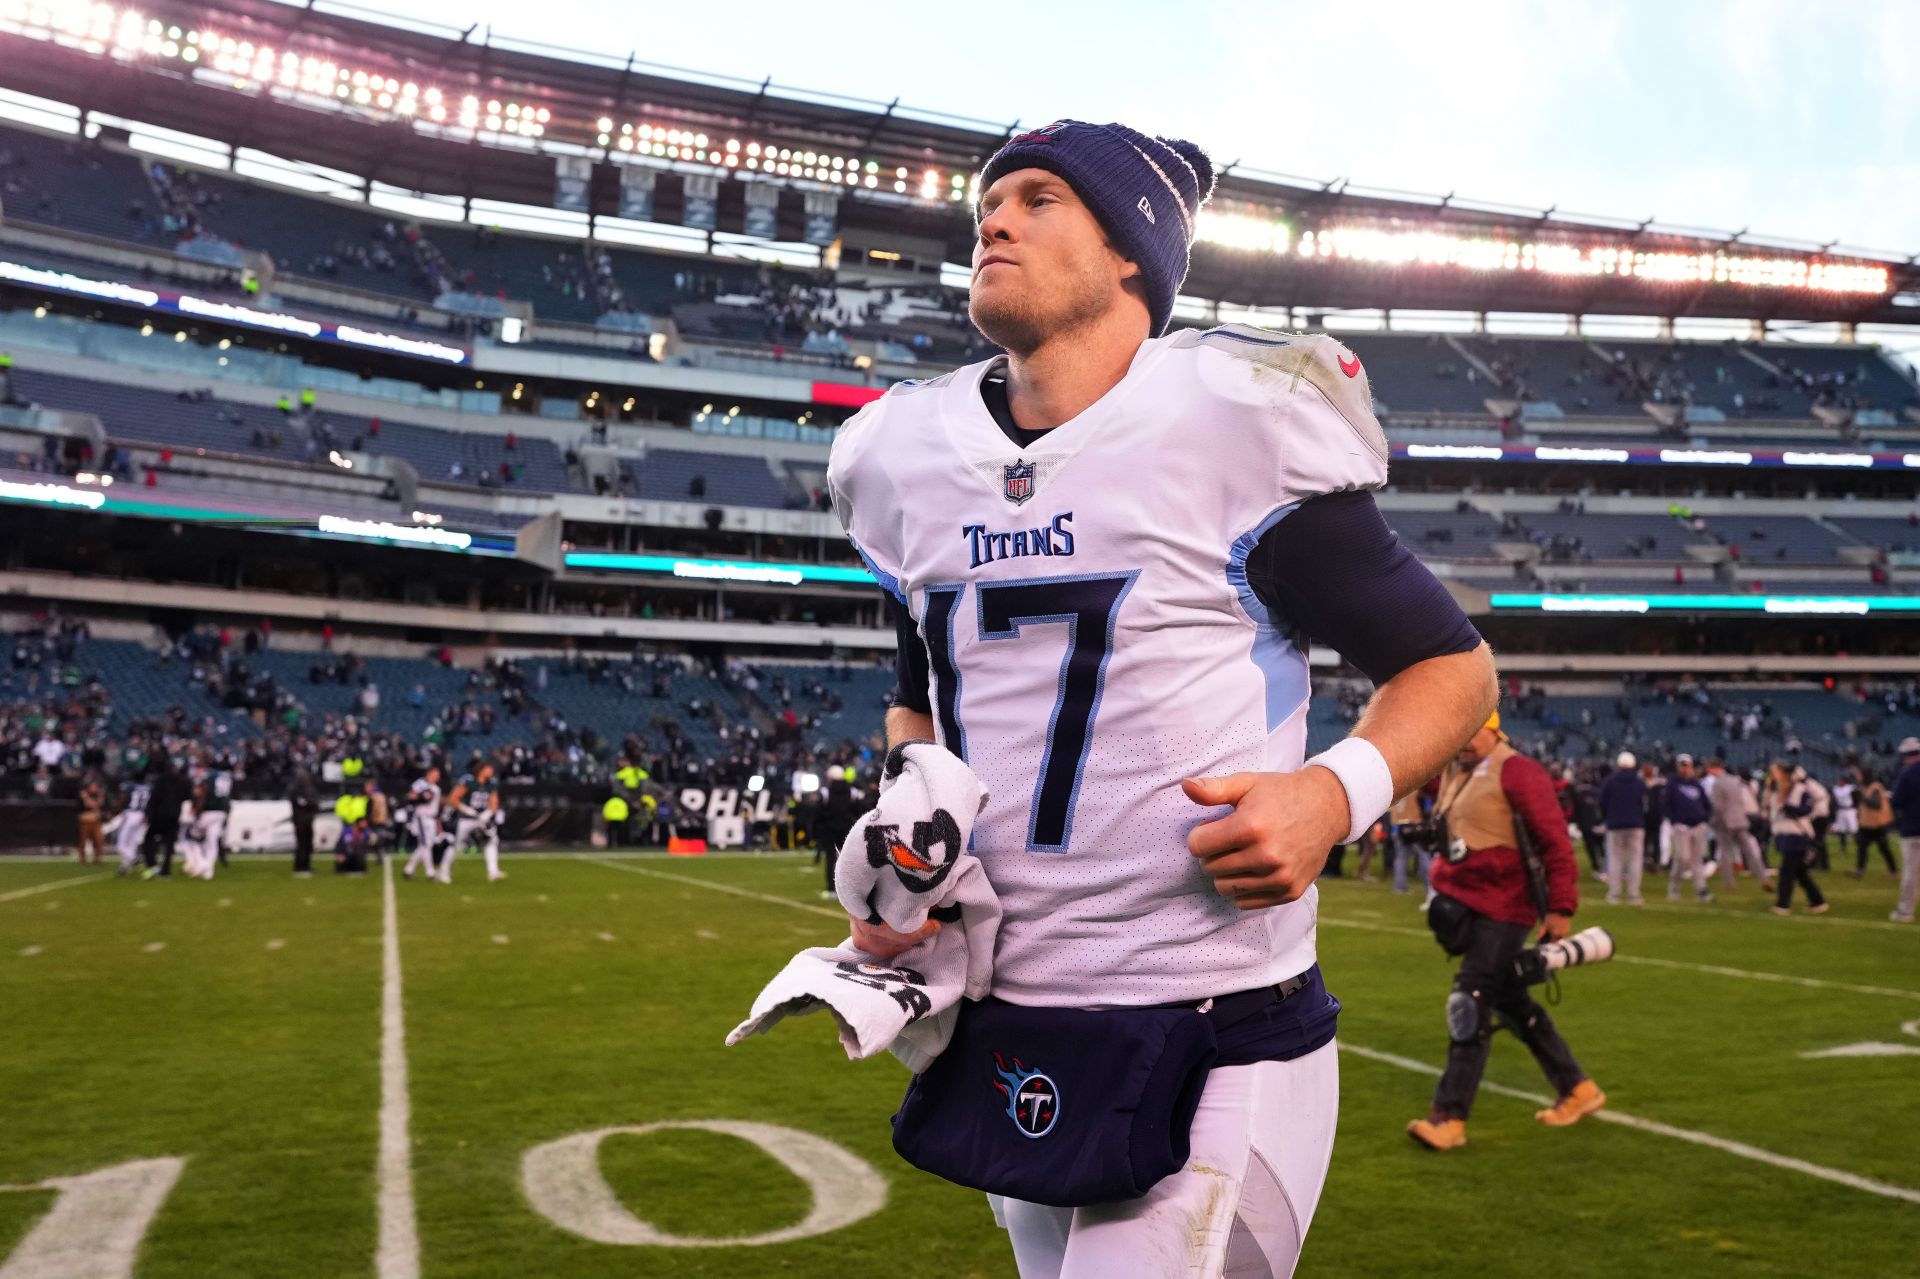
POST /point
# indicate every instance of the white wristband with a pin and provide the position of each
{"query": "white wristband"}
(1364, 775)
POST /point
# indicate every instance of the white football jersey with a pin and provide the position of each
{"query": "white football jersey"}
(1093, 639)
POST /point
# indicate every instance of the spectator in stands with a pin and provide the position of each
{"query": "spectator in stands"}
(1790, 806)
(1623, 811)
(49, 750)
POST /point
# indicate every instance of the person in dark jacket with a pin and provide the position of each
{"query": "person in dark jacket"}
(1654, 822)
(1585, 814)
(1623, 811)
(1906, 817)
(305, 798)
(837, 815)
(1688, 812)
(171, 789)
(1484, 899)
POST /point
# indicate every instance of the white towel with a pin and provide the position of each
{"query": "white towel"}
(898, 856)
(902, 861)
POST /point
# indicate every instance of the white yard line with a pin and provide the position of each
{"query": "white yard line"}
(723, 888)
(1799, 915)
(398, 1256)
(17, 893)
(1736, 1148)
(1812, 983)
(1718, 970)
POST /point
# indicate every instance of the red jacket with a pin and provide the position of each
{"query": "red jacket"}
(1493, 881)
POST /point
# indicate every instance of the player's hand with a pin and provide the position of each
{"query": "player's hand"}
(1272, 846)
(1554, 928)
(884, 943)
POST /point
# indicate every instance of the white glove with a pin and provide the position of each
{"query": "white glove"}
(897, 855)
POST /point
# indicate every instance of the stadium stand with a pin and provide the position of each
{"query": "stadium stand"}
(199, 420)
(681, 475)
(1889, 534)
(79, 186)
(1420, 373)
(751, 308)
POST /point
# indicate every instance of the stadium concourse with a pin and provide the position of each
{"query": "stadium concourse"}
(414, 451)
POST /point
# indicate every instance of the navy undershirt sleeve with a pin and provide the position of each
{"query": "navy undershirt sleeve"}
(1332, 570)
(910, 661)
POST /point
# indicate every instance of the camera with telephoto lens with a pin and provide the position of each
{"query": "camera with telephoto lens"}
(1537, 963)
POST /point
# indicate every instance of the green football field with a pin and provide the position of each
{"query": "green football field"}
(219, 1079)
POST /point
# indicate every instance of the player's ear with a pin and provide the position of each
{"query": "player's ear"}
(1129, 269)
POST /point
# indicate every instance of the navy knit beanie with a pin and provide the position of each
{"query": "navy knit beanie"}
(1146, 191)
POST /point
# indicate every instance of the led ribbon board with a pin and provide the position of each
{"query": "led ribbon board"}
(1656, 455)
(719, 570)
(126, 500)
(1777, 605)
(235, 313)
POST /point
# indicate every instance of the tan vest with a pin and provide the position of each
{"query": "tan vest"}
(1475, 806)
(1876, 808)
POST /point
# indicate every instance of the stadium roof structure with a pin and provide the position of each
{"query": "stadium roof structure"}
(473, 115)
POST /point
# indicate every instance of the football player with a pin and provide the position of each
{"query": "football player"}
(1104, 551)
(476, 800)
(130, 827)
(423, 797)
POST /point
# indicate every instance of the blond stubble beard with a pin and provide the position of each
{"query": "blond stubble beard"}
(1021, 321)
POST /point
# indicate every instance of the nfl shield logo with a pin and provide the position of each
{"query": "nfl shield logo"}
(1019, 481)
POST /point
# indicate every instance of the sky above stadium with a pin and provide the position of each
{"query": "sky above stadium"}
(1792, 119)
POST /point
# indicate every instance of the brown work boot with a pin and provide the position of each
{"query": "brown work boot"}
(1585, 1098)
(1444, 1134)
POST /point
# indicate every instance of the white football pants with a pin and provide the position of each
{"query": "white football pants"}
(480, 830)
(199, 844)
(131, 833)
(426, 830)
(1240, 1208)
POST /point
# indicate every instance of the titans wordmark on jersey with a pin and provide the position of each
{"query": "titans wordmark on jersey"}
(1092, 638)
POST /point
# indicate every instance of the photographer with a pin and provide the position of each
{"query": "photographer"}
(1492, 799)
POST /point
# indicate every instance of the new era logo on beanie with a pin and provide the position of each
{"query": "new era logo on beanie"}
(1128, 179)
